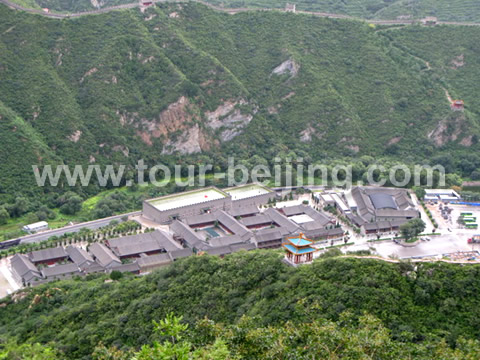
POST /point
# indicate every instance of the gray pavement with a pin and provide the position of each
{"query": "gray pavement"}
(92, 225)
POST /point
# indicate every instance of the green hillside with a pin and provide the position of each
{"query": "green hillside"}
(184, 83)
(444, 10)
(420, 309)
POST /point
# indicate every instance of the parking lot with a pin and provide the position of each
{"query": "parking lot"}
(437, 246)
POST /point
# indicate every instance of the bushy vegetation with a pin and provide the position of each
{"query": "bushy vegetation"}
(453, 10)
(246, 293)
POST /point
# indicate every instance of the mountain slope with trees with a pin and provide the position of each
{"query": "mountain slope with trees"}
(181, 83)
(453, 10)
(251, 296)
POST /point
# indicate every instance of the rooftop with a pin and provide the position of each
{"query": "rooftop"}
(296, 251)
(60, 270)
(383, 201)
(188, 198)
(247, 191)
(142, 243)
(78, 255)
(300, 219)
(299, 241)
(37, 225)
(103, 254)
(48, 254)
(244, 210)
(22, 265)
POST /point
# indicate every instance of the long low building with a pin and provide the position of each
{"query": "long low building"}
(250, 194)
(442, 195)
(147, 243)
(166, 209)
(48, 256)
(64, 271)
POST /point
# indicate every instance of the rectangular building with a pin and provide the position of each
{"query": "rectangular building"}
(250, 194)
(48, 256)
(35, 227)
(166, 209)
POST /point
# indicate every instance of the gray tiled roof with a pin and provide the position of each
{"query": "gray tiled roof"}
(225, 240)
(268, 235)
(143, 243)
(259, 219)
(281, 220)
(233, 225)
(243, 210)
(318, 233)
(293, 210)
(177, 254)
(383, 201)
(48, 254)
(154, 260)
(382, 225)
(59, 270)
(103, 255)
(188, 235)
(93, 268)
(200, 219)
(79, 256)
(24, 267)
(131, 267)
(313, 225)
(396, 213)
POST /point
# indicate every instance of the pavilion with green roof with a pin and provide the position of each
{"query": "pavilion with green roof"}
(298, 249)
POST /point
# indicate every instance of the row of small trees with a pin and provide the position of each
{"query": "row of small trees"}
(114, 229)
(429, 214)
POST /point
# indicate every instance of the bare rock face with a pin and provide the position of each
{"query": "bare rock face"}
(179, 128)
(458, 61)
(229, 119)
(443, 131)
(189, 142)
(306, 135)
(289, 66)
(394, 140)
(467, 141)
(176, 125)
(88, 73)
(75, 136)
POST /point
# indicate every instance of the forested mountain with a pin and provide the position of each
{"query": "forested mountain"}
(181, 81)
(446, 10)
(329, 308)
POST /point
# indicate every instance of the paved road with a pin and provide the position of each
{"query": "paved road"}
(92, 225)
(223, 9)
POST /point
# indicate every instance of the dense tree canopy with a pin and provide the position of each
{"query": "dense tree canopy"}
(411, 307)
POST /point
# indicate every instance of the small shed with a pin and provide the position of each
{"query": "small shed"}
(458, 105)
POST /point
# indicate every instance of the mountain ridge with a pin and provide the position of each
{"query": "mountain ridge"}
(98, 88)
